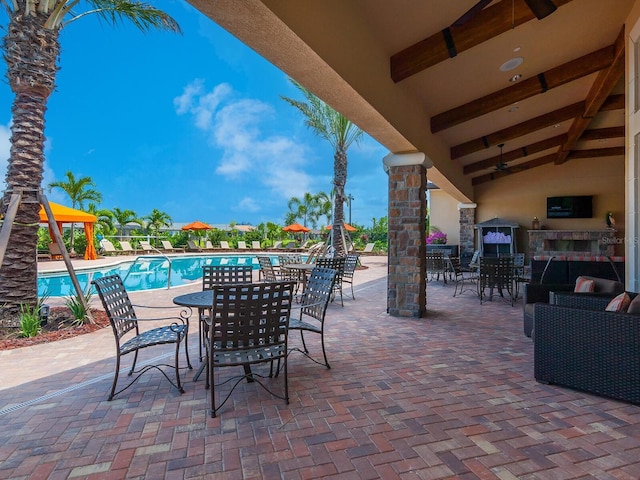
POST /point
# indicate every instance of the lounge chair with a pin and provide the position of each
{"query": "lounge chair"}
(224, 245)
(146, 247)
(255, 244)
(126, 248)
(108, 248)
(54, 251)
(193, 247)
(277, 245)
(369, 248)
(167, 247)
(209, 246)
(242, 245)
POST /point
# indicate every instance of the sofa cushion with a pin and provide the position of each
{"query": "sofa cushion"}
(584, 285)
(604, 285)
(634, 306)
(619, 304)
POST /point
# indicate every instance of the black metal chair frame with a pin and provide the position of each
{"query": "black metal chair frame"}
(248, 325)
(129, 339)
(460, 276)
(214, 275)
(268, 272)
(337, 264)
(350, 264)
(313, 308)
(496, 273)
(436, 264)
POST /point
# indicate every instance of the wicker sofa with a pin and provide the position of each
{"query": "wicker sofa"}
(540, 293)
(581, 346)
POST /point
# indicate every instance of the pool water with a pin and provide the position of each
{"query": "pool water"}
(145, 273)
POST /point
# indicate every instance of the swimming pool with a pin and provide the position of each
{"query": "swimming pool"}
(145, 273)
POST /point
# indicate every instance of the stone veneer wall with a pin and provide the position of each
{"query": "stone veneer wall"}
(406, 291)
(467, 232)
(539, 241)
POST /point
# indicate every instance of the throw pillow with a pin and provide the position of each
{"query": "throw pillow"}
(619, 304)
(634, 306)
(584, 285)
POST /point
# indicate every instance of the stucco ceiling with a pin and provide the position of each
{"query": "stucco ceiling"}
(388, 67)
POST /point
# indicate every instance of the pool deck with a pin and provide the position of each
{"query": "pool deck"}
(448, 396)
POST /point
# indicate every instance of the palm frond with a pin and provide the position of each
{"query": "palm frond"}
(143, 15)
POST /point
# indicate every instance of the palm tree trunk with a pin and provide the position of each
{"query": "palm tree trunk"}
(340, 180)
(31, 52)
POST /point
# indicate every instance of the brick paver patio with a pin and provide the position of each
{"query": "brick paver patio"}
(447, 396)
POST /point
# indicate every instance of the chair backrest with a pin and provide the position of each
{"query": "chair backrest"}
(317, 292)
(242, 244)
(369, 247)
(350, 264)
(290, 258)
(208, 245)
(166, 244)
(266, 267)
(126, 246)
(255, 244)
(496, 271)
(54, 249)
(251, 315)
(107, 246)
(117, 305)
(278, 244)
(225, 244)
(336, 264)
(145, 245)
(435, 261)
(518, 260)
(214, 275)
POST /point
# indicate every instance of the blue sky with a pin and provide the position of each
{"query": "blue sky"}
(191, 124)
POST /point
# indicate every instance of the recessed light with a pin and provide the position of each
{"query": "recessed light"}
(517, 49)
(515, 78)
(557, 125)
(513, 109)
(511, 64)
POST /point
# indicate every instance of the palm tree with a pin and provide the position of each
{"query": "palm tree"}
(125, 216)
(340, 133)
(156, 220)
(305, 208)
(31, 47)
(325, 206)
(79, 191)
(105, 219)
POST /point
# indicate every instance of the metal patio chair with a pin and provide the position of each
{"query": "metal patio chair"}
(129, 338)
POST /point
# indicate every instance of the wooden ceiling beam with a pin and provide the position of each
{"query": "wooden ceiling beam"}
(596, 152)
(600, 90)
(613, 102)
(488, 23)
(541, 146)
(568, 72)
(525, 166)
(515, 154)
(537, 162)
(603, 133)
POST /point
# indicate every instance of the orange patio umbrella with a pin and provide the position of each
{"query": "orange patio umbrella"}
(347, 227)
(197, 225)
(296, 228)
(62, 214)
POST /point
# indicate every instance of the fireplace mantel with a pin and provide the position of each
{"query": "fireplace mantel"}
(573, 242)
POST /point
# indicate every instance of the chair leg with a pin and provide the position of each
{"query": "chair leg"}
(177, 363)
(324, 352)
(115, 378)
(133, 366)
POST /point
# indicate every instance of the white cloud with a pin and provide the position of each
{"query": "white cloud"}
(234, 126)
(248, 204)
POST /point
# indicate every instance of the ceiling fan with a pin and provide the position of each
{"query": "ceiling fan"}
(503, 167)
(540, 8)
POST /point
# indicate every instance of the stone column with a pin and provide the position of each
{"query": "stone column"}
(467, 230)
(406, 282)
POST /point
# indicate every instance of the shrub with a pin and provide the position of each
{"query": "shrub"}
(78, 310)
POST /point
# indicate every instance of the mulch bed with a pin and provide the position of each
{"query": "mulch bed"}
(59, 326)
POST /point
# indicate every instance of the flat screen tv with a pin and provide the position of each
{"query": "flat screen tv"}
(570, 207)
